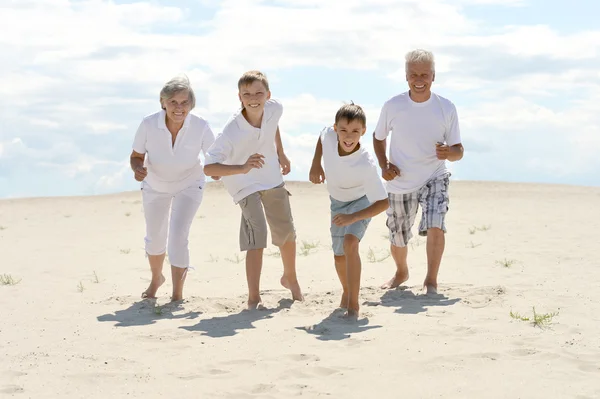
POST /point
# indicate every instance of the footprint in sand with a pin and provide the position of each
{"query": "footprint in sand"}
(11, 389)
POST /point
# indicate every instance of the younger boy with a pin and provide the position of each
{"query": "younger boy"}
(248, 155)
(356, 191)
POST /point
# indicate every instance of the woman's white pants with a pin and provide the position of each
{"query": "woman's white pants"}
(170, 234)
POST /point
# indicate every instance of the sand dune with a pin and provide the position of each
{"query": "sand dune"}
(74, 325)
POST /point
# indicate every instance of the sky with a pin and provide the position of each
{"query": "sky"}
(78, 76)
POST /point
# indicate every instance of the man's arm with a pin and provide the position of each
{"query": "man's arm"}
(450, 153)
(388, 170)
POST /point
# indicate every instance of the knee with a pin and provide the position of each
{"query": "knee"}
(435, 232)
(350, 244)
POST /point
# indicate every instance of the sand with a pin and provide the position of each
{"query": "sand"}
(74, 326)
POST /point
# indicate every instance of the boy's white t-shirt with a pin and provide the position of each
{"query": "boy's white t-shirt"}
(238, 141)
(172, 168)
(416, 128)
(350, 177)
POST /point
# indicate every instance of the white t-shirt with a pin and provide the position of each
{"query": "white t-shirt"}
(172, 168)
(238, 141)
(350, 177)
(416, 128)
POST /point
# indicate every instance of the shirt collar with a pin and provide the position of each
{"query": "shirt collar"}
(163, 125)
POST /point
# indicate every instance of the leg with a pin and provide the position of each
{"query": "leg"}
(278, 212)
(401, 217)
(289, 279)
(340, 268)
(156, 213)
(434, 202)
(254, 260)
(253, 239)
(353, 271)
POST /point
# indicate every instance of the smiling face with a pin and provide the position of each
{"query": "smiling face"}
(349, 134)
(420, 76)
(178, 106)
(254, 96)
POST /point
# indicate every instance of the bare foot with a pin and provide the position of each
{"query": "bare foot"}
(176, 298)
(294, 287)
(395, 281)
(351, 315)
(254, 303)
(344, 301)
(430, 289)
(150, 292)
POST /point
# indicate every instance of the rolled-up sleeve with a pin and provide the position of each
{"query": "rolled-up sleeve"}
(382, 130)
(219, 151)
(139, 141)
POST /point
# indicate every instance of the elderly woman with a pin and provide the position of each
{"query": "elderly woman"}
(169, 142)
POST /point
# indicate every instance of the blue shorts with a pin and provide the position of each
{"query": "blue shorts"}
(357, 229)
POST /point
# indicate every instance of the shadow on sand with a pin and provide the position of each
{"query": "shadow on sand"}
(146, 312)
(407, 302)
(227, 326)
(335, 327)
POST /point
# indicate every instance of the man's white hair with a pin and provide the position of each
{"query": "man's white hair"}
(420, 56)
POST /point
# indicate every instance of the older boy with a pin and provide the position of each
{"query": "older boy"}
(246, 155)
(356, 191)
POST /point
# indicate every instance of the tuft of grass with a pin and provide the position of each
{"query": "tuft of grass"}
(7, 279)
(127, 213)
(472, 230)
(484, 227)
(3, 228)
(307, 246)
(541, 320)
(158, 310)
(506, 262)
(80, 287)
(200, 217)
(473, 245)
(213, 259)
(385, 236)
(372, 256)
(274, 254)
(67, 215)
(96, 279)
(416, 243)
(125, 251)
(236, 259)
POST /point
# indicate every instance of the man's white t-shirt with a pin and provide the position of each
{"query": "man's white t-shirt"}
(238, 141)
(416, 128)
(350, 177)
(172, 168)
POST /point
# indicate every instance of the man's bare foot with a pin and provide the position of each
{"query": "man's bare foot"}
(254, 303)
(294, 287)
(176, 298)
(395, 281)
(344, 301)
(150, 292)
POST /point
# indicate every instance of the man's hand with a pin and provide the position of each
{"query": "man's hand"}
(285, 163)
(389, 171)
(442, 151)
(316, 174)
(255, 161)
(140, 173)
(343, 220)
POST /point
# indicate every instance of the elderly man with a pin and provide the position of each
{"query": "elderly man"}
(424, 135)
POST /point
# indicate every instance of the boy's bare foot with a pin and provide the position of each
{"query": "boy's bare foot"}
(344, 301)
(395, 281)
(429, 288)
(176, 298)
(294, 287)
(150, 292)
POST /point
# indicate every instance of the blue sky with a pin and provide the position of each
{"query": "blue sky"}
(78, 76)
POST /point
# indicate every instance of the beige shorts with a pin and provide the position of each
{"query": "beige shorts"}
(274, 204)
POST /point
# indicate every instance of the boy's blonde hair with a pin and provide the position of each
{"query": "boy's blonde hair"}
(252, 76)
(351, 112)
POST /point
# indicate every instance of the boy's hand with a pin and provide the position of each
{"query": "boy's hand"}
(255, 161)
(390, 171)
(216, 177)
(285, 163)
(140, 173)
(343, 220)
(316, 174)
(442, 151)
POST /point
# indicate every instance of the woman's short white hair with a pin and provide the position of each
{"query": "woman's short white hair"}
(176, 85)
(420, 56)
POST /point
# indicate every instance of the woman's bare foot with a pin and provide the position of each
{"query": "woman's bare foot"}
(430, 288)
(395, 281)
(351, 314)
(150, 292)
(254, 303)
(293, 286)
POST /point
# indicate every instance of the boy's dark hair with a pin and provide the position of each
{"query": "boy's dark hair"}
(252, 76)
(351, 112)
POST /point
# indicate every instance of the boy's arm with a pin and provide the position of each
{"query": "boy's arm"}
(284, 161)
(372, 210)
(317, 174)
(219, 169)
